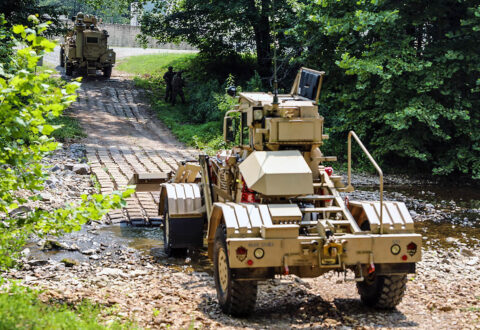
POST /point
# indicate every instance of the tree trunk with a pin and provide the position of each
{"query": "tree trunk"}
(263, 40)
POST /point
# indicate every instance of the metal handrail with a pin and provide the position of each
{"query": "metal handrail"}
(374, 163)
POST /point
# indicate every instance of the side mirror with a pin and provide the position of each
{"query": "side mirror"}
(229, 129)
(232, 91)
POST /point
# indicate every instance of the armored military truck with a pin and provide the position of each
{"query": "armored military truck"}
(271, 206)
(85, 49)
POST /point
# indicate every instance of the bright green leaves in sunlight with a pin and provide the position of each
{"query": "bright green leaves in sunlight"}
(28, 103)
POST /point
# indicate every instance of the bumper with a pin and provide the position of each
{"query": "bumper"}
(309, 251)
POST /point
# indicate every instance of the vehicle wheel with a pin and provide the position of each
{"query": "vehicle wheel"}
(236, 298)
(382, 291)
(69, 70)
(107, 71)
(167, 235)
(62, 57)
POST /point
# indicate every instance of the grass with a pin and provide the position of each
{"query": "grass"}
(154, 63)
(70, 130)
(20, 308)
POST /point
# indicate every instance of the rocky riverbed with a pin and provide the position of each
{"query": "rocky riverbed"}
(125, 269)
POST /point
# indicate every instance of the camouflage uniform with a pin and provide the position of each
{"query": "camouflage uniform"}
(177, 87)
(168, 77)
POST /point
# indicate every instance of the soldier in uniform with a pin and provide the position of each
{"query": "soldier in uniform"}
(177, 87)
(168, 77)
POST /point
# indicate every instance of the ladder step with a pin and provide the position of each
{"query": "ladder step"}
(321, 209)
(314, 198)
(339, 222)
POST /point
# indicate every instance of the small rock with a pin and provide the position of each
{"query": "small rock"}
(94, 257)
(81, 169)
(450, 240)
(89, 252)
(472, 262)
(25, 252)
(466, 252)
(68, 166)
(54, 245)
(37, 262)
(69, 262)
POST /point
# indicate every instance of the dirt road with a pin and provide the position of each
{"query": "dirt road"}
(124, 137)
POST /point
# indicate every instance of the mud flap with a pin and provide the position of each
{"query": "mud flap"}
(186, 232)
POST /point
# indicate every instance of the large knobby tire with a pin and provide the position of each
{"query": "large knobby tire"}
(167, 235)
(107, 72)
(384, 292)
(236, 298)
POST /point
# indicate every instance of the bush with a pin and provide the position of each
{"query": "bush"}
(28, 102)
(20, 308)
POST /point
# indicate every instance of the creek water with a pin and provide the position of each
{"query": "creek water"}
(444, 215)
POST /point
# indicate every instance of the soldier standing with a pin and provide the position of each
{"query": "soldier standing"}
(168, 77)
(177, 87)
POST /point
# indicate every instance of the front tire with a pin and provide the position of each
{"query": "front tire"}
(236, 298)
(383, 292)
(107, 72)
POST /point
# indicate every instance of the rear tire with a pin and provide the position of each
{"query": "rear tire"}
(236, 298)
(107, 72)
(167, 236)
(383, 292)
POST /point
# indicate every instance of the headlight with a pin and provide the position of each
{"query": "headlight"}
(258, 114)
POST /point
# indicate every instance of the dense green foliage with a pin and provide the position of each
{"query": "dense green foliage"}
(404, 75)
(18, 11)
(20, 308)
(28, 101)
(110, 12)
(221, 28)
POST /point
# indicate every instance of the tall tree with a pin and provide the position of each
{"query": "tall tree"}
(405, 74)
(219, 27)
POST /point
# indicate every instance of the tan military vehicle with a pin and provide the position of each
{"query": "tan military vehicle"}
(270, 206)
(85, 49)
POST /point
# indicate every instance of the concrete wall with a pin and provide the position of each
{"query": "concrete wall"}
(124, 36)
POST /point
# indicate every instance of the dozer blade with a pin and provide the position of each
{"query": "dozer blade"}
(148, 182)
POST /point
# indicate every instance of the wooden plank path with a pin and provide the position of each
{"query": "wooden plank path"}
(124, 138)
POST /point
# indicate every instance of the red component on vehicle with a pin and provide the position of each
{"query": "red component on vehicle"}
(404, 257)
(347, 201)
(329, 170)
(412, 246)
(241, 250)
(286, 271)
(249, 262)
(371, 268)
(248, 195)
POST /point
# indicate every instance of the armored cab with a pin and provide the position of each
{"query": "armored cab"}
(85, 49)
(271, 206)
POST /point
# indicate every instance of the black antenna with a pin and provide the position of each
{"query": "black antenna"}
(275, 81)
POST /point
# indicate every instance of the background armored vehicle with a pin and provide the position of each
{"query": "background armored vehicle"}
(85, 49)
(270, 206)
